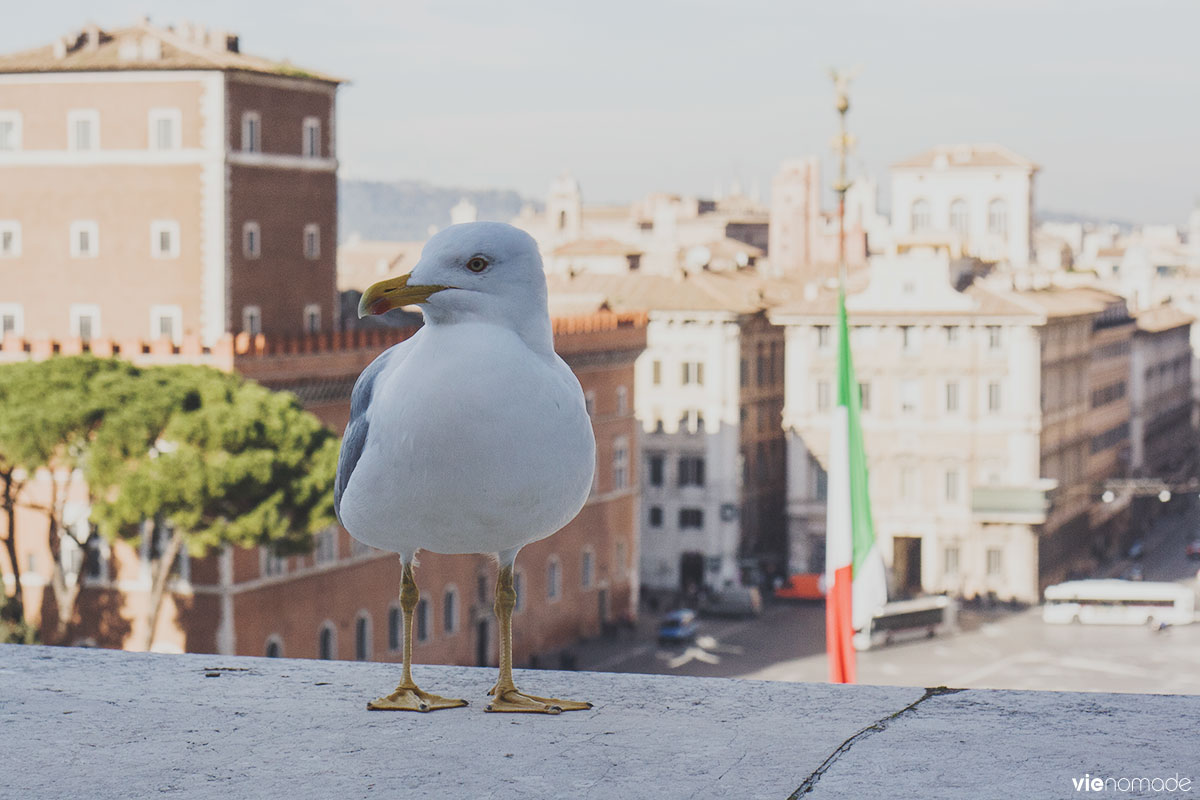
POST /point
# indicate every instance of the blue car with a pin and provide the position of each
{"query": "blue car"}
(678, 626)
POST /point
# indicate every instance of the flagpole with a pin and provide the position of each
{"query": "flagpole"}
(839, 579)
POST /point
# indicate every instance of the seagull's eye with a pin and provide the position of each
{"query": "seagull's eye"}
(477, 264)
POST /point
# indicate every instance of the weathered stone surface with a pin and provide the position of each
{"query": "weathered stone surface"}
(103, 724)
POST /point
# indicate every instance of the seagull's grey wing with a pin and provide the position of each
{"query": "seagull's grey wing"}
(355, 438)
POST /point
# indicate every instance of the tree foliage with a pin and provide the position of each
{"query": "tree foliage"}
(209, 456)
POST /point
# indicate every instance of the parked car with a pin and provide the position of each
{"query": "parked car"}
(732, 601)
(1193, 549)
(678, 626)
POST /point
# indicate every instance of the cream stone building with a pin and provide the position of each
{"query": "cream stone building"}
(709, 390)
(982, 450)
(979, 197)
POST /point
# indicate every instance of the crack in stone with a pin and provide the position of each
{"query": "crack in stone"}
(811, 781)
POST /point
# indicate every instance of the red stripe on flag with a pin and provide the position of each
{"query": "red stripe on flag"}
(839, 630)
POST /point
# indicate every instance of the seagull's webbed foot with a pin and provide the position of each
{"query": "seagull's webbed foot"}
(410, 698)
(513, 700)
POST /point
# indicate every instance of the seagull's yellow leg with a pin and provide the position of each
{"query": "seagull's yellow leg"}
(407, 696)
(505, 694)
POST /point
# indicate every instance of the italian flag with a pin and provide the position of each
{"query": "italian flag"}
(856, 587)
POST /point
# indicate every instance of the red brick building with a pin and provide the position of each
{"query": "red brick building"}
(341, 601)
(160, 183)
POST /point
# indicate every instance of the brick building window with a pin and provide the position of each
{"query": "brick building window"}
(270, 563)
(395, 628)
(274, 647)
(10, 238)
(166, 322)
(312, 241)
(312, 318)
(325, 546)
(422, 620)
(620, 464)
(587, 569)
(12, 319)
(450, 610)
(251, 132)
(655, 516)
(166, 129)
(83, 130)
(553, 578)
(311, 142)
(85, 321)
(251, 240)
(10, 131)
(85, 239)
(622, 401)
(252, 320)
(164, 238)
(362, 637)
(327, 642)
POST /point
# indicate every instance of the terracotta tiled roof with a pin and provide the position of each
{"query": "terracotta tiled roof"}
(1162, 318)
(597, 247)
(741, 293)
(966, 155)
(147, 47)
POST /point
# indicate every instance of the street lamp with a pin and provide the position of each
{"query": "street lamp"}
(1164, 495)
(1108, 496)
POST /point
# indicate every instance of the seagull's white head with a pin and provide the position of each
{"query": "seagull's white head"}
(477, 271)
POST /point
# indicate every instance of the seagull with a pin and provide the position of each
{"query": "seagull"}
(471, 436)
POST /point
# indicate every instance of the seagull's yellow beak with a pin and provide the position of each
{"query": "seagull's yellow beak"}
(382, 297)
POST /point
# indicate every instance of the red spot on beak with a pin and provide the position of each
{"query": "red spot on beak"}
(380, 306)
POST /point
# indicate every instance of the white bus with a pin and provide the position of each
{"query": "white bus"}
(1115, 602)
(909, 619)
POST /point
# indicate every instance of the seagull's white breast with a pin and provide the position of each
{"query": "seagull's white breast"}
(476, 444)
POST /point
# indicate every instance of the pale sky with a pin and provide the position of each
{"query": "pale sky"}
(634, 96)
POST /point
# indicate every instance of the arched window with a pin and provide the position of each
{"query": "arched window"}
(395, 628)
(327, 642)
(959, 221)
(553, 578)
(274, 646)
(922, 219)
(998, 217)
(423, 621)
(450, 610)
(362, 637)
(587, 568)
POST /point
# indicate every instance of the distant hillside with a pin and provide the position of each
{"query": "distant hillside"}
(404, 210)
(1071, 217)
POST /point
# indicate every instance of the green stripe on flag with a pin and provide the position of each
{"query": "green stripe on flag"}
(861, 526)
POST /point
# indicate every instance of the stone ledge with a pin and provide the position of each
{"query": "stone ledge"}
(107, 724)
